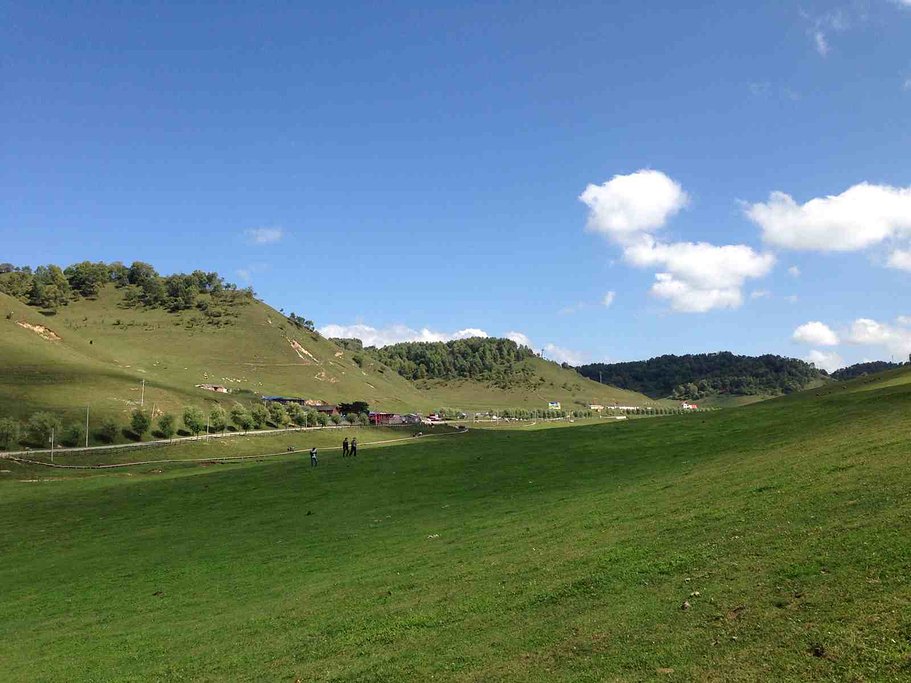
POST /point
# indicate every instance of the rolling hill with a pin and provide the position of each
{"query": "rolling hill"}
(761, 543)
(97, 351)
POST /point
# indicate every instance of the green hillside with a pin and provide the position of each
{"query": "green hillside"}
(100, 351)
(96, 350)
(761, 543)
(484, 372)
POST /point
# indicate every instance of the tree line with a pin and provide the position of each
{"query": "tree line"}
(38, 430)
(51, 287)
(693, 376)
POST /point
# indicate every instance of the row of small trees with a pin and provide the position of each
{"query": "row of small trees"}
(42, 426)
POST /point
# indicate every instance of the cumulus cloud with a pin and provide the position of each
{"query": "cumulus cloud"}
(896, 340)
(563, 355)
(394, 334)
(629, 204)
(692, 277)
(825, 360)
(815, 333)
(696, 276)
(859, 217)
(608, 299)
(264, 235)
(760, 294)
(900, 259)
(794, 271)
(519, 338)
(553, 352)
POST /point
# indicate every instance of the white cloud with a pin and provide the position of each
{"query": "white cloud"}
(264, 235)
(822, 45)
(860, 217)
(897, 340)
(900, 259)
(824, 24)
(792, 299)
(904, 320)
(815, 334)
(794, 271)
(393, 334)
(760, 294)
(698, 277)
(825, 360)
(692, 277)
(608, 299)
(520, 339)
(629, 204)
(563, 355)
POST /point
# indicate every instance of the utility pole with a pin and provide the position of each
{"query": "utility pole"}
(142, 396)
(207, 427)
(86, 426)
(52, 444)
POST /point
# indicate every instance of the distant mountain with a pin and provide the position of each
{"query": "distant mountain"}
(694, 376)
(860, 369)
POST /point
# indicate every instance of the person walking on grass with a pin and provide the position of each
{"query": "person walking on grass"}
(314, 461)
(345, 448)
(354, 447)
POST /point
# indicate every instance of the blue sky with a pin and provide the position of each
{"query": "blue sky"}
(415, 169)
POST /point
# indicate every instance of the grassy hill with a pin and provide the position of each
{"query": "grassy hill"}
(97, 351)
(768, 542)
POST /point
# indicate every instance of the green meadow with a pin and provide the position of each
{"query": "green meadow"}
(767, 542)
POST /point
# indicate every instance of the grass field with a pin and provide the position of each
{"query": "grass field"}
(526, 554)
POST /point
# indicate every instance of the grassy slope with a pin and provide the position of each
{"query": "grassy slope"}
(558, 555)
(254, 354)
(566, 386)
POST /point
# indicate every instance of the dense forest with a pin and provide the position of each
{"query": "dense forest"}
(698, 375)
(860, 369)
(478, 358)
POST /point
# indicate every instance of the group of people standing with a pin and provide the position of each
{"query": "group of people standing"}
(348, 449)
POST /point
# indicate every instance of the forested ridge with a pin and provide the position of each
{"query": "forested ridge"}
(693, 376)
(860, 369)
(478, 358)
